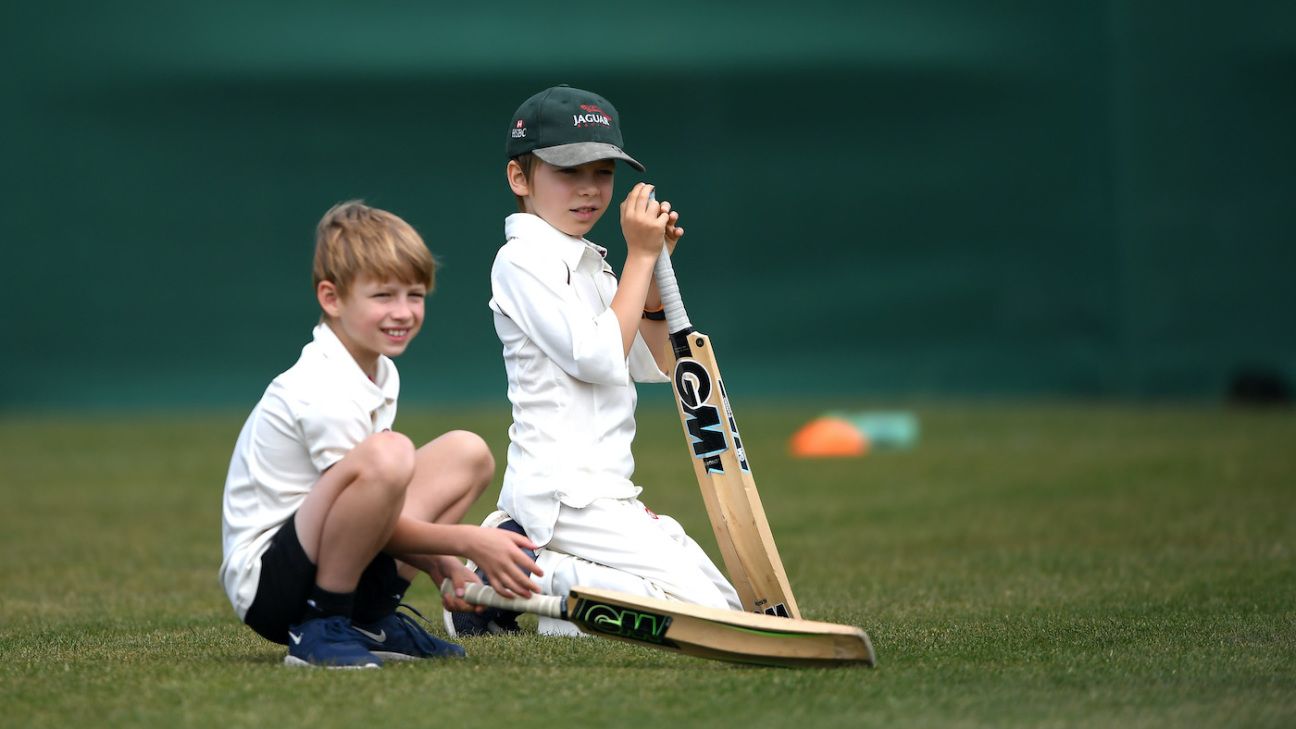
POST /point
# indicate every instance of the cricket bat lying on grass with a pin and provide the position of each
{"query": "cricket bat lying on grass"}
(722, 635)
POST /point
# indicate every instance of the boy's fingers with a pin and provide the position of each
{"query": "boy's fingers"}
(525, 585)
(458, 605)
(641, 197)
(528, 564)
(453, 600)
(513, 584)
(520, 571)
(523, 541)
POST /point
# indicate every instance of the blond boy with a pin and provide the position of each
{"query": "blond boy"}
(328, 513)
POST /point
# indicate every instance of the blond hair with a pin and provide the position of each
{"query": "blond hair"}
(353, 239)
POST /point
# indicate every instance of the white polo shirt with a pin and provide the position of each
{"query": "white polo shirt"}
(307, 420)
(571, 386)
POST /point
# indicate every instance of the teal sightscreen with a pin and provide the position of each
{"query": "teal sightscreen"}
(1075, 199)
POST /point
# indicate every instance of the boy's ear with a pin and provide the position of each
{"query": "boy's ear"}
(517, 179)
(329, 298)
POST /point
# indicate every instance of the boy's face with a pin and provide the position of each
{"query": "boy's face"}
(571, 199)
(376, 317)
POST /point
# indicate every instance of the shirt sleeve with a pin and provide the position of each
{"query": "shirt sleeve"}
(331, 429)
(536, 295)
(643, 368)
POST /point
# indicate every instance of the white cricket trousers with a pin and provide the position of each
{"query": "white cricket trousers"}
(618, 544)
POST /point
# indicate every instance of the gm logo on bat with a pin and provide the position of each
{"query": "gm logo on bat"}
(624, 622)
(693, 387)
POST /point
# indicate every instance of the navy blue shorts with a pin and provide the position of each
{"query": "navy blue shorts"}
(288, 576)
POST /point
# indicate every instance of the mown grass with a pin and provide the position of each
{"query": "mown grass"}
(1025, 565)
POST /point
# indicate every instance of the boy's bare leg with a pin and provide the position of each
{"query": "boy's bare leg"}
(450, 474)
(351, 511)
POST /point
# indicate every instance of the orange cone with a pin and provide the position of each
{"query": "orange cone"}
(828, 438)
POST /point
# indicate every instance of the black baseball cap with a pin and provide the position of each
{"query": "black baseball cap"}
(567, 127)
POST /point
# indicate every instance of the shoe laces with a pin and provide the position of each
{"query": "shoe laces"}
(416, 632)
(412, 609)
(336, 629)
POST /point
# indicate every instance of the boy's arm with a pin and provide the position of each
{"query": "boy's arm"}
(534, 295)
(538, 298)
(644, 222)
(497, 551)
(654, 331)
(655, 336)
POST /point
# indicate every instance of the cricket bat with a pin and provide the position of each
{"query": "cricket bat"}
(720, 462)
(702, 632)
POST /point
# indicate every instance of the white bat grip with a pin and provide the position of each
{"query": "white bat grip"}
(676, 318)
(549, 606)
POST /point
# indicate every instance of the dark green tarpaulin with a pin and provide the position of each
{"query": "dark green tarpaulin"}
(1092, 199)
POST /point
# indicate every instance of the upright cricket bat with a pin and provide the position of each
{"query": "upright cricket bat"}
(723, 635)
(720, 463)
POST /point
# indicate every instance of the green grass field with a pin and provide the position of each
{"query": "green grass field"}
(1024, 566)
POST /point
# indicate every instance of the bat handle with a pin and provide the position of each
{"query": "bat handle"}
(676, 318)
(550, 606)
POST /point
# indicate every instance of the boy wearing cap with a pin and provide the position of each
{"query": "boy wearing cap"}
(575, 341)
(322, 499)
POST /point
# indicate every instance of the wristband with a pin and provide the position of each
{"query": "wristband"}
(658, 314)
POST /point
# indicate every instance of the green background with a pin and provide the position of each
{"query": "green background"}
(933, 197)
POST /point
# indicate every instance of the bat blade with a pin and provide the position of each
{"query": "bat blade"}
(725, 478)
(709, 633)
(720, 463)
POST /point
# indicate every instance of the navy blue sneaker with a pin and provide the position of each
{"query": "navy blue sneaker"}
(399, 637)
(329, 642)
(491, 621)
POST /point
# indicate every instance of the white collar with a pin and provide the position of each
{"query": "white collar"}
(569, 248)
(375, 393)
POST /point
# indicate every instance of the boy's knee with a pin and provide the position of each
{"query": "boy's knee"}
(389, 459)
(474, 453)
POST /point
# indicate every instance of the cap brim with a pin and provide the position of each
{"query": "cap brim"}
(571, 155)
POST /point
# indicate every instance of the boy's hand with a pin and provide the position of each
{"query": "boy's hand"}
(644, 223)
(673, 231)
(445, 567)
(498, 552)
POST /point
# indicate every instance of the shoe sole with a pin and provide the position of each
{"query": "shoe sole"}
(299, 663)
(389, 656)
